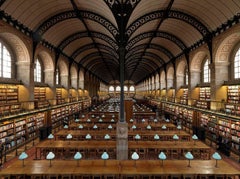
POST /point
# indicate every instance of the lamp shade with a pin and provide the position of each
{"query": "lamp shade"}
(65, 126)
(112, 120)
(69, 136)
(149, 127)
(50, 156)
(195, 137)
(80, 126)
(88, 120)
(23, 156)
(77, 120)
(189, 156)
(162, 156)
(110, 126)
(216, 156)
(167, 120)
(155, 120)
(88, 136)
(137, 136)
(179, 127)
(50, 136)
(95, 126)
(156, 137)
(104, 156)
(107, 137)
(78, 156)
(175, 137)
(134, 127)
(131, 120)
(164, 127)
(135, 156)
(143, 120)
(100, 120)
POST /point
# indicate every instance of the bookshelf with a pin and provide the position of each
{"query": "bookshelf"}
(184, 97)
(7, 134)
(40, 97)
(33, 123)
(59, 96)
(9, 99)
(233, 94)
(16, 131)
(233, 99)
(204, 98)
(57, 115)
(228, 130)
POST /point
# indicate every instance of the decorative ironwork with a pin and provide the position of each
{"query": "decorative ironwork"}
(96, 54)
(72, 14)
(162, 34)
(92, 46)
(153, 46)
(190, 20)
(110, 3)
(172, 14)
(79, 35)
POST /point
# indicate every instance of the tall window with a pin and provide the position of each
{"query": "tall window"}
(131, 88)
(118, 88)
(57, 77)
(186, 76)
(37, 72)
(111, 89)
(237, 65)
(206, 72)
(5, 62)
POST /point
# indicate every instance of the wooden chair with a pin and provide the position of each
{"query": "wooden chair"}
(188, 176)
(66, 176)
(163, 176)
(175, 176)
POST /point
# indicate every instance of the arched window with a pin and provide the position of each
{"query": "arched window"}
(118, 88)
(57, 77)
(186, 76)
(237, 65)
(125, 88)
(111, 89)
(131, 88)
(5, 62)
(37, 72)
(206, 71)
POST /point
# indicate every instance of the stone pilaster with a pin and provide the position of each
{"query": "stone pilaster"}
(122, 141)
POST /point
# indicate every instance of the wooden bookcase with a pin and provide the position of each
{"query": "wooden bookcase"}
(225, 128)
(204, 98)
(233, 100)
(184, 97)
(40, 97)
(16, 131)
(59, 96)
(9, 99)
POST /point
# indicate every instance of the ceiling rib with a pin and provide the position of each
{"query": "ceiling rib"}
(100, 53)
(165, 15)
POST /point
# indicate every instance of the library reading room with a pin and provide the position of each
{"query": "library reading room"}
(119, 89)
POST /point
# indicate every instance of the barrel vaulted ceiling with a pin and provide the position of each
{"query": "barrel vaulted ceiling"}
(152, 33)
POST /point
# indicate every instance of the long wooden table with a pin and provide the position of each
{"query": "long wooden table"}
(119, 169)
(146, 149)
(144, 134)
